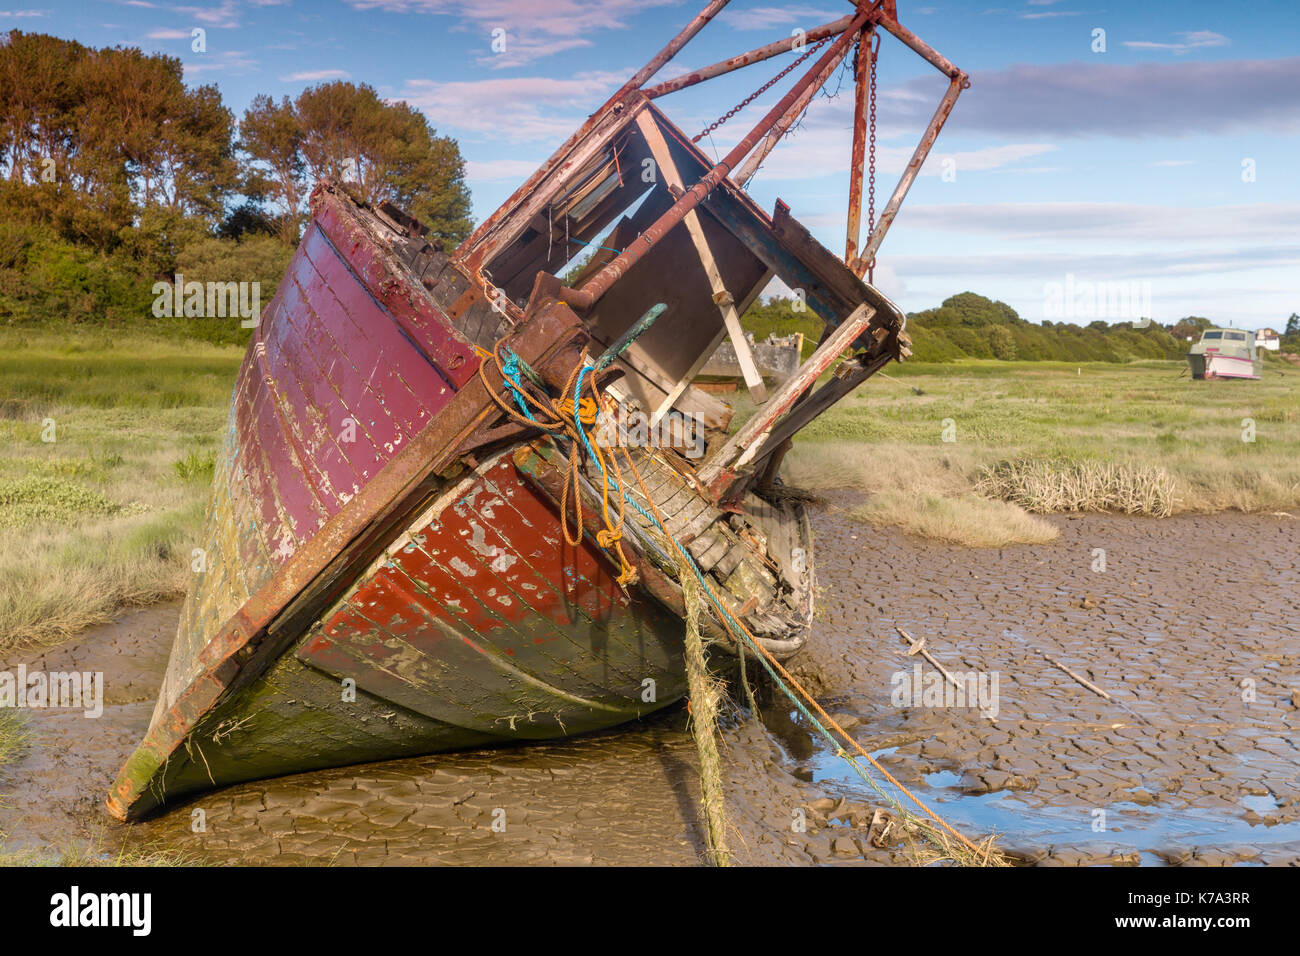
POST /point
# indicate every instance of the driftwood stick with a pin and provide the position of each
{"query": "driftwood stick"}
(918, 647)
(1094, 688)
(1082, 680)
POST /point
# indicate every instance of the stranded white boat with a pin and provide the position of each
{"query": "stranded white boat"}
(1225, 353)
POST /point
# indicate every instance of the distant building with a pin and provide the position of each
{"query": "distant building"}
(1268, 339)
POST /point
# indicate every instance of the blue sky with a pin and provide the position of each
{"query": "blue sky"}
(1122, 166)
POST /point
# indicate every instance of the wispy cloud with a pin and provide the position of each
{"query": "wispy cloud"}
(1192, 40)
(533, 28)
(168, 34)
(512, 110)
(234, 62)
(1046, 266)
(315, 76)
(1104, 99)
(496, 170)
(765, 18)
(22, 14)
(1267, 223)
(224, 16)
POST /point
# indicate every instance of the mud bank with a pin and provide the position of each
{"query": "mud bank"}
(1182, 765)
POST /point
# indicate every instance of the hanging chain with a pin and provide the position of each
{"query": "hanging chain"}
(871, 152)
(759, 92)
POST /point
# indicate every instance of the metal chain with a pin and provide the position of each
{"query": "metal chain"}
(871, 152)
(760, 91)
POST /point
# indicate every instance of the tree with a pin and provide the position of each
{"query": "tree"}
(270, 138)
(346, 132)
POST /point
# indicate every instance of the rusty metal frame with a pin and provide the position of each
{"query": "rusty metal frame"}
(861, 25)
(722, 67)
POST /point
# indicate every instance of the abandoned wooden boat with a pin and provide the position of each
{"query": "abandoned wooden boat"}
(1225, 353)
(399, 558)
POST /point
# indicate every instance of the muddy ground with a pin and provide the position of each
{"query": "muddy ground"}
(1192, 628)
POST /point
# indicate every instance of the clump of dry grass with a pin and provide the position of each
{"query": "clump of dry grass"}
(1055, 485)
(967, 519)
(93, 853)
(56, 582)
(930, 845)
(14, 737)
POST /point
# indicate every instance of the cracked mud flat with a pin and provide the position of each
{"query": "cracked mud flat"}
(1185, 770)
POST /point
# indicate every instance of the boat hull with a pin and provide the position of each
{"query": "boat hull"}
(366, 589)
(1209, 365)
(477, 627)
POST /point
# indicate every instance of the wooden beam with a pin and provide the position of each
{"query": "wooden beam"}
(702, 359)
(730, 317)
(742, 447)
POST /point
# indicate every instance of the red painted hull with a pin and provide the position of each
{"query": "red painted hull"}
(317, 634)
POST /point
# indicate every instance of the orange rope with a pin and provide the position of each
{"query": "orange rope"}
(559, 417)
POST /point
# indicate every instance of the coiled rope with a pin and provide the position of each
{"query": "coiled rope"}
(572, 415)
(798, 695)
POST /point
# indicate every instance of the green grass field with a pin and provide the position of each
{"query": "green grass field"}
(1140, 438)
(104, 516)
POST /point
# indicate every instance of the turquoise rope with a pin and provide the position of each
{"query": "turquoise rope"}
(510, 369)
(737, 630)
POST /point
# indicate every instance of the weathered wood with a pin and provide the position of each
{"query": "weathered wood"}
(726, 305)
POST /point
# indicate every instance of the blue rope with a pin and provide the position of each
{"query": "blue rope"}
(510, 369)
(736, 629)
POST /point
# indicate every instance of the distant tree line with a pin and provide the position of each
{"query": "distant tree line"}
(114, 171)
(968, 325)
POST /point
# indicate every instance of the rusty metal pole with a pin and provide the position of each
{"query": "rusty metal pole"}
(782, 126)
(745, 59)
(854, 230)
(469, 250)
(928, 53)
(922, 150)
(599, 284)
(674, 45)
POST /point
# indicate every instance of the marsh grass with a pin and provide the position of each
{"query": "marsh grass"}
(14, 737)
(965, 519)
(1047, 438)
(93, 853)
(104, 516)
(1056, 486)
(930, 845)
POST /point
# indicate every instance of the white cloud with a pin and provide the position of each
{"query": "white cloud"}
(1192, 40)
(514, 110)
(533, 28)
(495, 170)
(314, 76)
